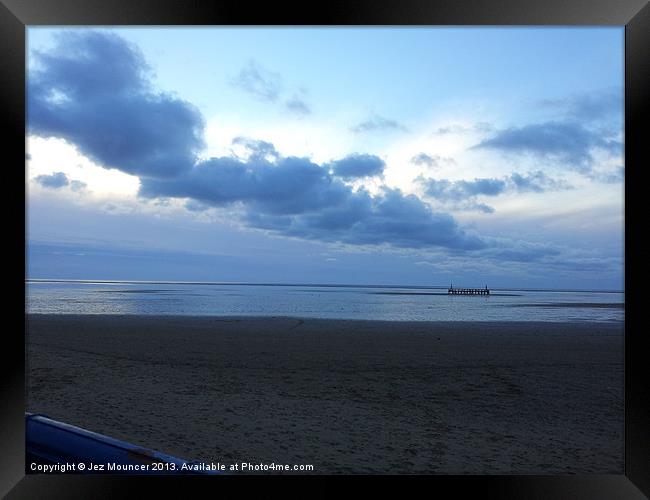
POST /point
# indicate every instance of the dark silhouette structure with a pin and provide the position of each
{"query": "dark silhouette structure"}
(468, 291)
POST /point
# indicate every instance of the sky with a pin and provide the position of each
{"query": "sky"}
(419, 155)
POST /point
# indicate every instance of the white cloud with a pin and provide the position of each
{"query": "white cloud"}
(56, 155)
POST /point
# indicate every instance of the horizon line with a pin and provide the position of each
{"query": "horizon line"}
(332, 285)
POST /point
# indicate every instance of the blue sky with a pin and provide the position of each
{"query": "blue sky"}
(368, 155)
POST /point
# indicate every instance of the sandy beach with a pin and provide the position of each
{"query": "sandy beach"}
(345, 396)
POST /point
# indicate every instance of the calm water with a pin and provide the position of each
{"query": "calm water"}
(318, 301)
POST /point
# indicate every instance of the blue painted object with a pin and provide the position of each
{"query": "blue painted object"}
(49, 443)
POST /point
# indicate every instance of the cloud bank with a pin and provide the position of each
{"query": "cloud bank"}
(93, 90)
(298, 198)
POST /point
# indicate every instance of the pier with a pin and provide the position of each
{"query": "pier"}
(468, 291)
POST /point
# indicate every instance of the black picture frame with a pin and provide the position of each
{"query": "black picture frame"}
(16, 15)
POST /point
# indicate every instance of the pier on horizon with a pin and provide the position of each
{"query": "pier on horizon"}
(467, 291)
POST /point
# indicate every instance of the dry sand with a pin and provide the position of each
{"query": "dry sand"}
(345, 396)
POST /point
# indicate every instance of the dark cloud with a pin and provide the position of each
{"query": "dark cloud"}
(569, 142)
(391, 218)
(298, 106)
(55, 180)
(297, 198)
(376, 123)
(463, 193)
(357, 166)
(93, 90)
(259, 82)
(288, 186)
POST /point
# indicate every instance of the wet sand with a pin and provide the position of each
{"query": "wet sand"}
(345, 396)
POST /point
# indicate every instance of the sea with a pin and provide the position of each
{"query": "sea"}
(375, 302)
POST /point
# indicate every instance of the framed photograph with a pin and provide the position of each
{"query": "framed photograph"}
(366, 239)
